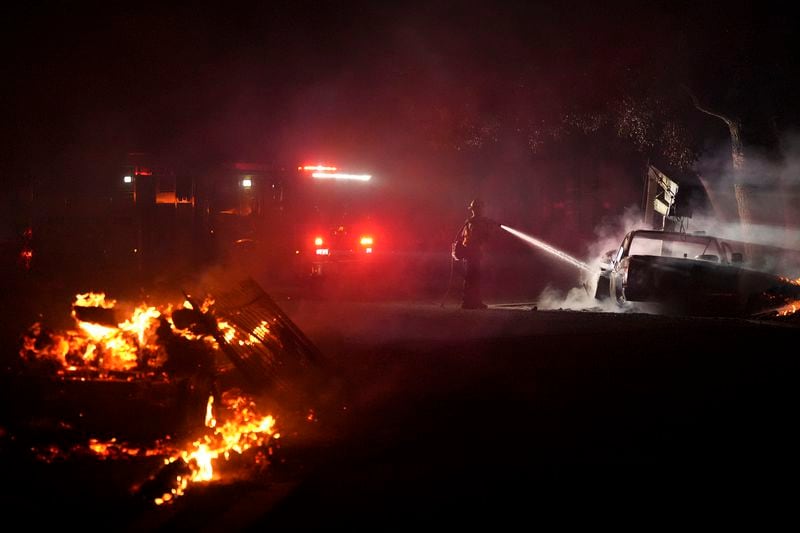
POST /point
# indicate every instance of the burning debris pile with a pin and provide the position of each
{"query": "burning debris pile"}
(102, 347)
(156, 383)
(243, 430)
(239, 432)
(784, 304)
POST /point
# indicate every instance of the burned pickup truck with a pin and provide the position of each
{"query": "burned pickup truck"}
(693, 274)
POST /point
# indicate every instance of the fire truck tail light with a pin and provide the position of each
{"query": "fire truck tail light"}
(318, 241)
(366, 241)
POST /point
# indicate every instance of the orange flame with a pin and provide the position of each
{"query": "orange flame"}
(245, 430)
(129, 345)
(133, 344)
(789, 309)
(210, 420)
(93, 299)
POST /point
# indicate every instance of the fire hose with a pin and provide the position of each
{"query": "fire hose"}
(456, 250)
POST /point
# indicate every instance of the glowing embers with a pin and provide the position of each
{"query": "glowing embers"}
(785, 303)
(237, 439)
(26, 257)
(789, 309)
(243, 429)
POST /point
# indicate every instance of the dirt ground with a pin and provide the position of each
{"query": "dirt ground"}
(426, 413)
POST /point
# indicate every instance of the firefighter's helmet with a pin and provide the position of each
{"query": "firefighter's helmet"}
(476, 206)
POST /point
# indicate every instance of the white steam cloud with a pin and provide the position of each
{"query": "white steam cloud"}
(608, 237)
(774, 184)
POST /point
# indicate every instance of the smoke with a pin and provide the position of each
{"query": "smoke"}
(790, 145)
(773, 180)
(773, 185)
(773, 249)
(608, 236)
(773, 240)
(760, 234)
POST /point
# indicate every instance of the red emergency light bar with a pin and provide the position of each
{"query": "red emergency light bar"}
(318, 168)
(341, 176)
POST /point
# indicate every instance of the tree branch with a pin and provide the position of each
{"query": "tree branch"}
(734, 126)
(729, 121)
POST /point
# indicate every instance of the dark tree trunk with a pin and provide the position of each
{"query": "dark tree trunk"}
(742, 191)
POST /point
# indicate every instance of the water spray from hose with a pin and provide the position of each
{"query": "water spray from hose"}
(548, 248)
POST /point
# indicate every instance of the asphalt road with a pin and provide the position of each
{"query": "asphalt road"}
(425, 413)
(508, 415)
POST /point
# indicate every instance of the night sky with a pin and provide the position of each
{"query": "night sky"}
(464, 98)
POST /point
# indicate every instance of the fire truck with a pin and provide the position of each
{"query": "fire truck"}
(303, 221)
(141, 219)
(308, 220)
(160, 224)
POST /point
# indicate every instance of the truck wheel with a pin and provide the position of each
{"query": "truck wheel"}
(603, 290)
(615, 288)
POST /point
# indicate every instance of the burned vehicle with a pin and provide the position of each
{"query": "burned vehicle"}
(691, 273)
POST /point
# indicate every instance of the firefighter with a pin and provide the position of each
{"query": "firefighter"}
(473, 237)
